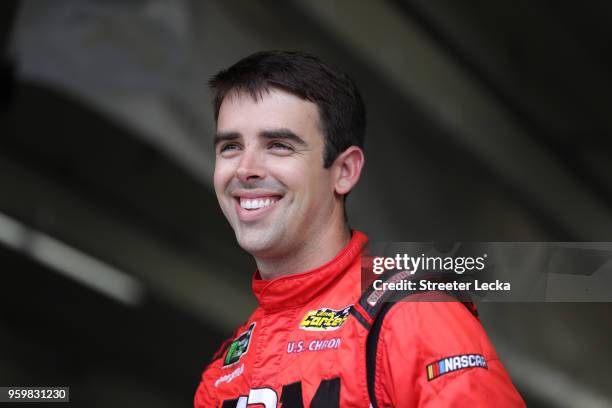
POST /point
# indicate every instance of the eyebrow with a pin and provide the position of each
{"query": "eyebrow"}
(225, 136)
(282, 134)
(285, 134)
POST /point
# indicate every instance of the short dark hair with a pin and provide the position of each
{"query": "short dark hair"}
(341, 109)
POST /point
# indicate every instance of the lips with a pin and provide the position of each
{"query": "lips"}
(253, 207)
(256, 203)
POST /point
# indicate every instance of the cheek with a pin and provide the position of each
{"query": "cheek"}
(221, 178)
(307, 179)
(217, 182)
(313, 181)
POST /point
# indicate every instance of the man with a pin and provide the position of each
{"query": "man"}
(289, 139)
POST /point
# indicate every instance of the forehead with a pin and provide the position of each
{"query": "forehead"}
(272, 109)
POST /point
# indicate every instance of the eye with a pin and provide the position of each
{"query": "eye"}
(228, 147)
(280, 146)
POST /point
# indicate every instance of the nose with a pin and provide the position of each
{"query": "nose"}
(250, 167)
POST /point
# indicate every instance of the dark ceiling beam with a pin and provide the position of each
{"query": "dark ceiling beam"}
(402, 52)
(548, 76)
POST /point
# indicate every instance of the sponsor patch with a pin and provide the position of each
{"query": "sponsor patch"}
(454, 363)
(325, 319)
(313, 345)
(229, 377)
(239, 347)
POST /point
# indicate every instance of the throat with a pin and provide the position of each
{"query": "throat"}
(302, 259)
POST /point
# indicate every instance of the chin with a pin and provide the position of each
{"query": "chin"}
(256, 243)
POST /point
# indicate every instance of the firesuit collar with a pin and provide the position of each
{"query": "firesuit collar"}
(300, 288)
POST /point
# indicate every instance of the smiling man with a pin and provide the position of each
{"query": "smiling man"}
(285, 206)
(288, 144)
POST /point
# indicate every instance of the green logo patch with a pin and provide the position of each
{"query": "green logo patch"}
(239, 347)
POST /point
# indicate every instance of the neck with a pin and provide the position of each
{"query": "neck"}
(310, 255)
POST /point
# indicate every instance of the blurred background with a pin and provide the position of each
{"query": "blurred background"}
(119, 276)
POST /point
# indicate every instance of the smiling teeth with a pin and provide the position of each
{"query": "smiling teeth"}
(255, 204)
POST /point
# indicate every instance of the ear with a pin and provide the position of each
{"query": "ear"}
(347, 168)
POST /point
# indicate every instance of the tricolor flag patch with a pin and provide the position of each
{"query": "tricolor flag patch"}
(454, 363)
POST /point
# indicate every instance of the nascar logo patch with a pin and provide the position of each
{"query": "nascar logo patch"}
(325, 319)
(454, 363)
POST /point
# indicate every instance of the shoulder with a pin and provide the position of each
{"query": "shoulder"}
(438, 326)
(413, 334)
(438, 346)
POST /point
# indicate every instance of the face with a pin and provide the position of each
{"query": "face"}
(269, 174)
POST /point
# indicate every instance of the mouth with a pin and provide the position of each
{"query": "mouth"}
(253, 208)
(257, 203)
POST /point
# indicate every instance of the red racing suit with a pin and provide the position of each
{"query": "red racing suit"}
(311, 343)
